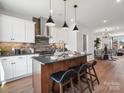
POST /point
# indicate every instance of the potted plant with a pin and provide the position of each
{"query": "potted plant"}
(97, 42)
(2, 51)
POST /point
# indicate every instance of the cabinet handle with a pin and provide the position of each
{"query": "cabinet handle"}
(4, 59)
(12, 38)
(20, 57)
(12, 63)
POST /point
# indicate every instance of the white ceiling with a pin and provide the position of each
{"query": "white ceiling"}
(91, 13)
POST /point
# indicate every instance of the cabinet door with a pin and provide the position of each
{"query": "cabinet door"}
(20, 66)
(7, 69)
(5, 28)
(0, 71)
(29, 62)
(18, 30)
(30, 32)
(2, 74)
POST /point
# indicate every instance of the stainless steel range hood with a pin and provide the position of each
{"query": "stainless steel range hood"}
(44, 30)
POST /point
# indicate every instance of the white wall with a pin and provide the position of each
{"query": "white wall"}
(58, 35)
(90, 41)
(72, 39)
(68, 36)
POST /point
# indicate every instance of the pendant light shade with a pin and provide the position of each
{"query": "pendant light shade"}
(65, 26)
(75, 27)
(50, 21)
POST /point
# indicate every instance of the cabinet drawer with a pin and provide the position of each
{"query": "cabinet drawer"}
(7, 58)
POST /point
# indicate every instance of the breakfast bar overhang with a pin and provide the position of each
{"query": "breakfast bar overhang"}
(44, 66)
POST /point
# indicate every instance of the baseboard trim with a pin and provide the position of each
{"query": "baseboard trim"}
(14, 79)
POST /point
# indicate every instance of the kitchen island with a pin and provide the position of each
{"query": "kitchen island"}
(44, 66)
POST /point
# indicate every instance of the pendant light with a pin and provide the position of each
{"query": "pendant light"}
(65, 26)
(75, 27)
(50, 21)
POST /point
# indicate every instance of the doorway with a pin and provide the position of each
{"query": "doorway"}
(84, 43)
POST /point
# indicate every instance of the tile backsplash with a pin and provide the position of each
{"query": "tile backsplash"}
(8, 46)
(41, 45)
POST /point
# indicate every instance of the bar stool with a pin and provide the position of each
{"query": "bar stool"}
(92, 73)
(63, 78)
(82, 77)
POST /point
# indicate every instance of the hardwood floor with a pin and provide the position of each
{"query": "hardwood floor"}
(19, 86)
(110, 73)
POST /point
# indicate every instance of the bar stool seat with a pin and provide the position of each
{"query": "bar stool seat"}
(57, 76)
(91, 64)
(63, 78)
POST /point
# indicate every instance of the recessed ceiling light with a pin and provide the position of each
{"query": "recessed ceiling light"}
(117, 27)
(118, 1)
(51, 11)
(104, 21)
(72, 20)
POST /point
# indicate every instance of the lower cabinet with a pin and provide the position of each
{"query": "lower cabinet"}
(6, 69)
(14, 67)
(20, 66)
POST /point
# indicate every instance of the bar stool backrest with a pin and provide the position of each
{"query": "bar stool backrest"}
(82, 68)
(94, 63)
(68, 74)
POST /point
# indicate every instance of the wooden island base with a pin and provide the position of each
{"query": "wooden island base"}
(41, 72)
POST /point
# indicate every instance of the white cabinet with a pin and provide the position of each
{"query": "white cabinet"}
(20, 66)
(7, 67)
(30, 32)
(13, 67)
(2, 73)
(5, 29)
(16, 30)
(29, 62)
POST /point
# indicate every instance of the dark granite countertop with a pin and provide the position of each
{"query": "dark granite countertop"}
(47, 59)
(17, 55)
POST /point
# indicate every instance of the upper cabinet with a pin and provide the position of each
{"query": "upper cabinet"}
(16, 30)
(30, 32)
(5, 29)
